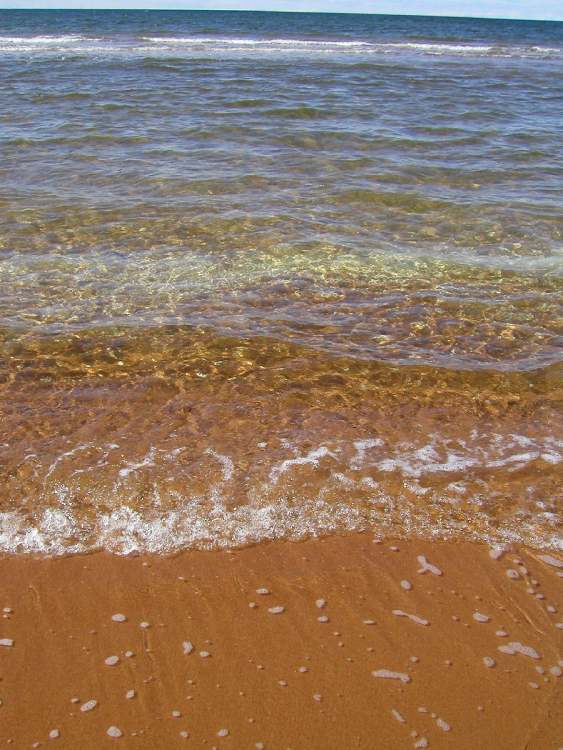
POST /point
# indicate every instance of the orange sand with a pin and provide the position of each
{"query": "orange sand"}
(251, 683)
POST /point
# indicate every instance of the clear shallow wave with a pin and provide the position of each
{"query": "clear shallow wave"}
(379, 312)
(447, 488)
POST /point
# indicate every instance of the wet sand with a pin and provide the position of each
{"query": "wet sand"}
(354, 659)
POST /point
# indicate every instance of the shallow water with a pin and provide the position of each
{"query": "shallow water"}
(275, 275)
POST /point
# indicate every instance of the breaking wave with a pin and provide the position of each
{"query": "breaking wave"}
(181, 45)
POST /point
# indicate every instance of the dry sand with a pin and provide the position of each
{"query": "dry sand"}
(147, 652)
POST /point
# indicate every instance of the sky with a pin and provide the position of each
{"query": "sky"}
(538, 9)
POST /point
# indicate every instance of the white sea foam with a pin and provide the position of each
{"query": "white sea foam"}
(124, 530)
(434, 47)
(439, 456)
(40, 40)
(362, 446)
(427, 47)
(178, 45)
(312, 457)
(341, 497)
(226, 463)
(238, 42)
(438, 48)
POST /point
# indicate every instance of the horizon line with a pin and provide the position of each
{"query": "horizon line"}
(274, 10)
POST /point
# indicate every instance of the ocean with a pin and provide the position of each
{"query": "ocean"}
(274, 275)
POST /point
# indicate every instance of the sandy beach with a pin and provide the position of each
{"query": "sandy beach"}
(335, 643)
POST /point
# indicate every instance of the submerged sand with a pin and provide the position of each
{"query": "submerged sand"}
(334, 643)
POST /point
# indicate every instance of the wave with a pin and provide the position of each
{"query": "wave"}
(471, 49)
(40, 40)
(436, 48)
(296, 113)
(408, 201)
(441, 494)
(125, 531)
(87, 138)
(255, 42)
(210, 44)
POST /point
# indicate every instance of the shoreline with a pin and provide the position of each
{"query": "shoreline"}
(214, 657)
(280, 442)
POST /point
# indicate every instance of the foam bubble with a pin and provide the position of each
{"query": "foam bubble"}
(313, 457)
